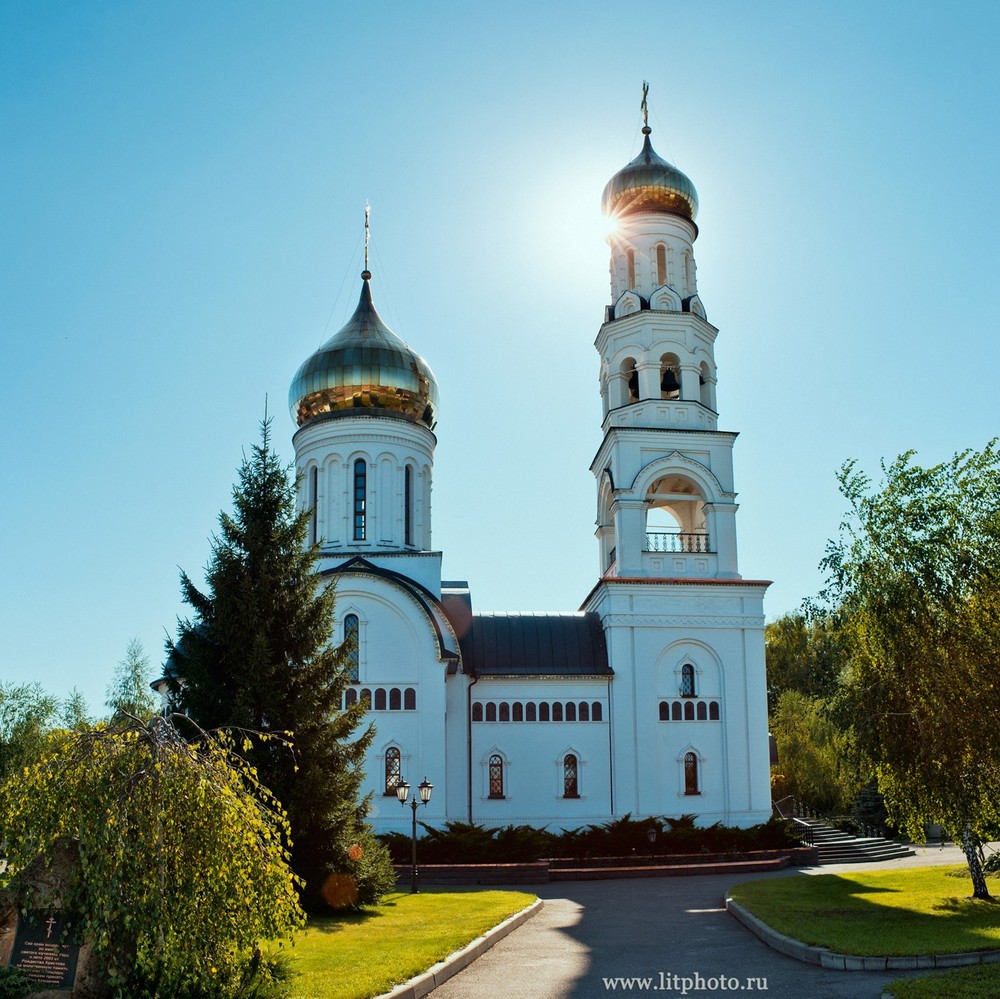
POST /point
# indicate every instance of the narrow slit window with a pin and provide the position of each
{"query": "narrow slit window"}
(496, 776)
(360, 498)
(661, 264)
(352, 636)
(392, 769)
(313, 505)
(408, 505)
(690, 773)
(571, 782)
(630, 256)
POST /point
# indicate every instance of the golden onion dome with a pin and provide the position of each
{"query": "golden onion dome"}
(650, 184)
(365, 368)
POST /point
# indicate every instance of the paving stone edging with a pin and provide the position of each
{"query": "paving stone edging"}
(439, 973)
(853, 962)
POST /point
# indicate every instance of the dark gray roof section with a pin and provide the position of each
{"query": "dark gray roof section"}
(535, 645)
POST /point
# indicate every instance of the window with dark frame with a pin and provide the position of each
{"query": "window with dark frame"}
(571, 785)
(314, 505)
(496, 776)
(690, 773)
(392, 769)
(408, 505)
(687, 680)
(360, 496)
(352, 636)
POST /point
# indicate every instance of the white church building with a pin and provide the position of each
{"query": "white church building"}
(650, 698)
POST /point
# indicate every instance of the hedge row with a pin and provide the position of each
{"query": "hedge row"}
(469, 843)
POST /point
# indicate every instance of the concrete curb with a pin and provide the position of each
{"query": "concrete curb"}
(439, 973)
(852, 962)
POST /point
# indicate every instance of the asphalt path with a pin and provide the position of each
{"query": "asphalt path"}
(594, 939)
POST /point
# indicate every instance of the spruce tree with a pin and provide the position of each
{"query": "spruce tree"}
(258, 655)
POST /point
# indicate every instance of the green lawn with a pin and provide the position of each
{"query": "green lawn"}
(872, 913)
(364, 954)
(981, 982)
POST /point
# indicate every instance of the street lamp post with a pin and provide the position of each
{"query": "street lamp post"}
(403, 792)
(651, 836)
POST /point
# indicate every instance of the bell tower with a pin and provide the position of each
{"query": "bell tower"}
(666, 503)
(684, 630)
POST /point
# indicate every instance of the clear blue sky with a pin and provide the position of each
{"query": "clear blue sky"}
(181, 197)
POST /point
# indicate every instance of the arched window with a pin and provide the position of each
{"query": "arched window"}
(557, 711)
(530, 713)
(571, 783)
(491, 711)
(395, 699)
(689, 711)
(702, 711)
(352, 638)
(504, 711)
(690, 774)
(360, 495)
(630, 380)
(366, 697)
(670, 385)
(408, 505)
(630, 257)
(409, 699)
(350, 697)
(518, 712)
(477, 711)
(596, 713)
(392, 762)
(675, 711)
(570, 711)
(664, 711)
(661, 264)
(313, 505)
(496, 776)
(584, 711)
(713, 711)
(380, 698)
(543, 711)
(687, 680)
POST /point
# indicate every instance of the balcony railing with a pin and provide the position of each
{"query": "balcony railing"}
(672, 541)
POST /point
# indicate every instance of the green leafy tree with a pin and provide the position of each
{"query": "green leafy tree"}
(75, 714)
(814, 763)
(129, 692)
(806, 651)
(258, 654)
(917, 570)
(27, 714)
(177, 857)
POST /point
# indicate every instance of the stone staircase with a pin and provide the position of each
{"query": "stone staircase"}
(836, 847)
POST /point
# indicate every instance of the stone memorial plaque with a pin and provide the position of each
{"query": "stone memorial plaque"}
(40, 952)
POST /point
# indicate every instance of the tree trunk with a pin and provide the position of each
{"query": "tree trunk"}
(969, 848)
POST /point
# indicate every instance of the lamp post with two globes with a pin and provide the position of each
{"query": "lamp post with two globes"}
(403, 792)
